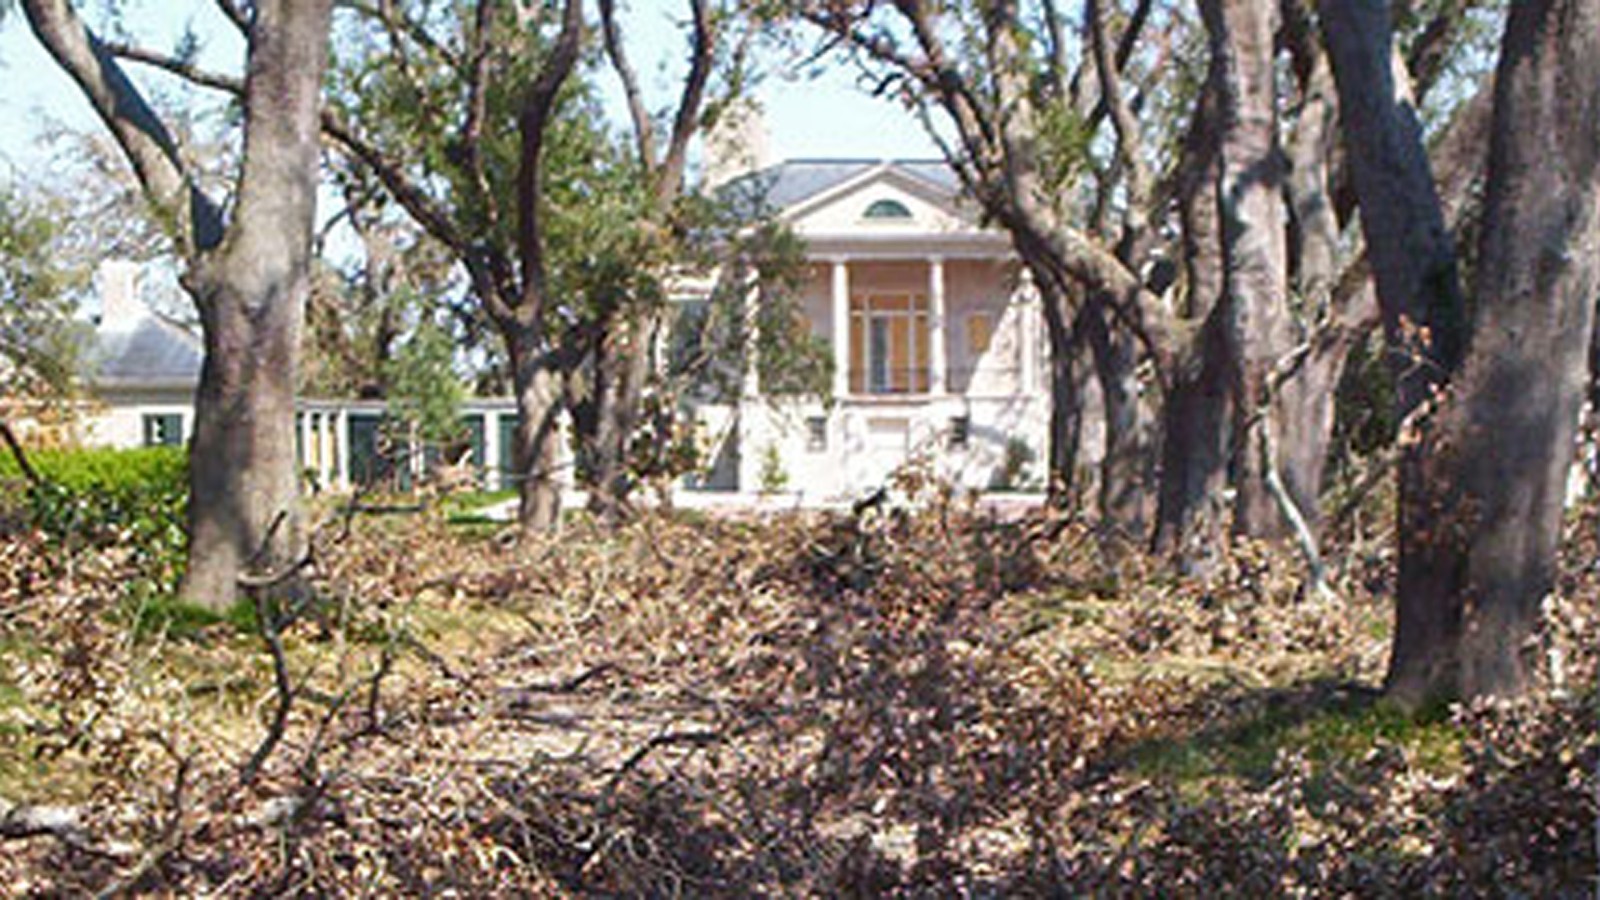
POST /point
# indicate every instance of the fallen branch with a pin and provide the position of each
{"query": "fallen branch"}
(1316, 570)
(64, 823)
(258, 585)
(698, 739)
(17, 453)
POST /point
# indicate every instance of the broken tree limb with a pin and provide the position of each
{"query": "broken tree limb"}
(17, 453)
(64, 823)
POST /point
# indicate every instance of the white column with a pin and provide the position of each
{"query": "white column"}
(937, 366)
(1030, 332)
(307, 448)
(341, 448)
(325, 451)
(841, 329)
(491, 449)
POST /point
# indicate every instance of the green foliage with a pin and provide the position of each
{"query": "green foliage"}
(774, 477)
(711, 341)
(41, 346)
(1015, 472)
(425, 393)
(98, 498)
(1066, 146)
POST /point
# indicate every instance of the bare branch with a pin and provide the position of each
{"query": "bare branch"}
(644, 132)
(669, 177)
(1122, 119)
(15, 446)
(400, 25)
(193, 219)
(236, 14)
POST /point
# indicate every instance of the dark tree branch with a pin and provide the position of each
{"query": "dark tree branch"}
(193, 219)
(537, 108)
(1122, 119)
(669, 177)
(644, 132)
(15, 446)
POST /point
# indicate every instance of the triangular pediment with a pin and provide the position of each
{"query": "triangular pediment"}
(885, 200)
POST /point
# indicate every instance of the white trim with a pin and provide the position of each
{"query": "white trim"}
(947, 201)
(938, 358)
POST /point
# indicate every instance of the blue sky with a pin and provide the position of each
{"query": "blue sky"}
(822, 117)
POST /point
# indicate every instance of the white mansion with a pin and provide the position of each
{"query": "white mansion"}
(936, 342)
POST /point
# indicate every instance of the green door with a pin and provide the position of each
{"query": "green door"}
(368, 465)
(508, 439)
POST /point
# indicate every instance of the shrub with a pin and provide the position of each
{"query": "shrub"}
(103, 497)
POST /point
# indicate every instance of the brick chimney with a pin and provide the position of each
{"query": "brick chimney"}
(120, 306)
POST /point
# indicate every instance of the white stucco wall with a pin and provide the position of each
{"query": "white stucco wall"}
(868, 440)
(117, 420)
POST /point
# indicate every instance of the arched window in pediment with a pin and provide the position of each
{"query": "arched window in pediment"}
(880, 210)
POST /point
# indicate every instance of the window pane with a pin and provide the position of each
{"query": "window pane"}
(163, 429)
(900, 361)
(980, 332)
(878, 355)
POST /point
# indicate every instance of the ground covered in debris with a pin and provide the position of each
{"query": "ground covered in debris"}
(894, 703)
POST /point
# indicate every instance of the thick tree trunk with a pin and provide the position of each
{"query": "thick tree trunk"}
(244, 510)
(1412, 253)
(1479, 555)
(1199, 402)
(535, 452)
(1250, 197)
(621, 372)
(249, 279)
(1127, 469)
(1194, 450)
(1305, 403)
(1067, 400)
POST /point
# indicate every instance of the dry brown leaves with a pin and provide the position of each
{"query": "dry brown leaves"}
(899, 703)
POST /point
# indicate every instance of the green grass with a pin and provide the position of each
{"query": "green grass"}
(149, 614)
(1331, 733)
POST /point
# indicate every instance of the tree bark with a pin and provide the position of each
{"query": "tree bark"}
(621, 370)
(1412, 253)
(537, 439)
(1127, 476)
(1194, 455)
(1305, 402)
(1250, 197)
(1199, 403)
(249, 280)
(1479, 554)
(627, 331)
(1068, 401)
(537, 362)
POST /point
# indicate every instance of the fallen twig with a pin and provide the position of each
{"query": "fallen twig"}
(64, 823)
(17, 453)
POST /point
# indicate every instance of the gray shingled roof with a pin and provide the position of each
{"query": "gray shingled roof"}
(793, 182)
(149, 352)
